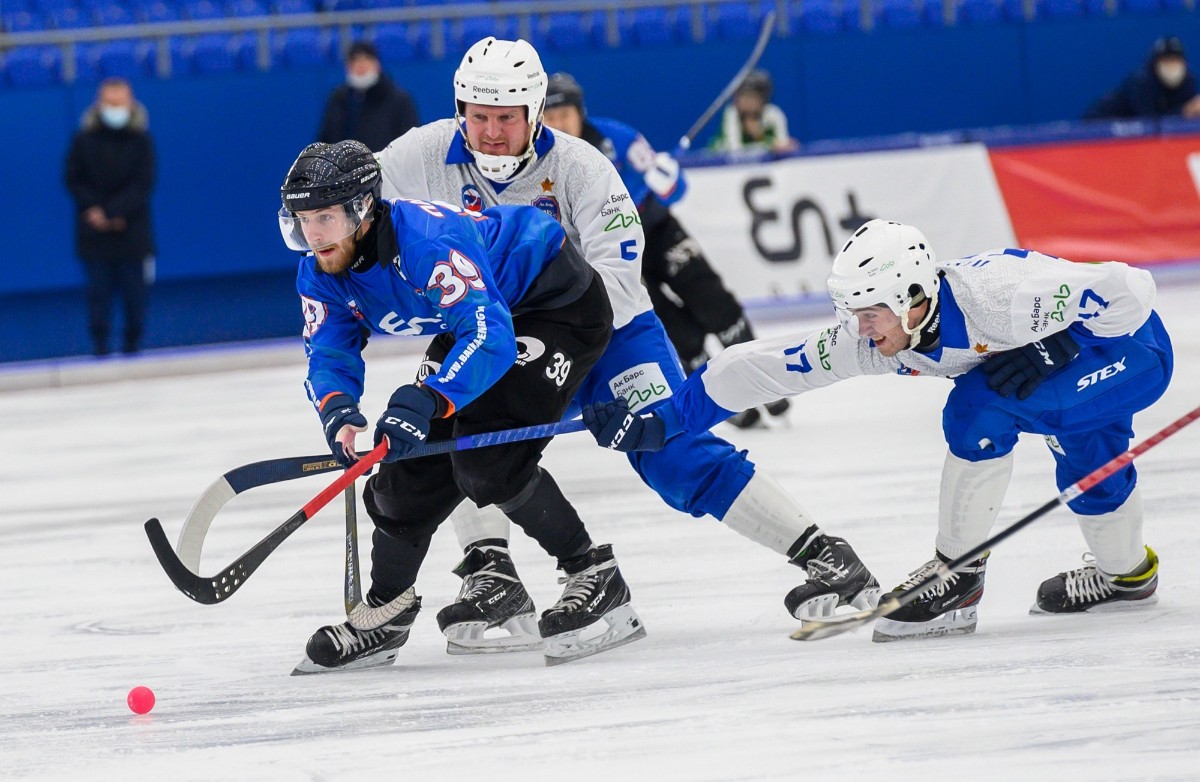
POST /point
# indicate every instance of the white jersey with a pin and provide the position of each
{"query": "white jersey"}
(570, 180)
(994, 301)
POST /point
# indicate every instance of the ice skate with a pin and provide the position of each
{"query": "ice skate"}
(344, 648)
(946, 607)
(1090, 589)
(836, 577)
(492, 598)
(593, 614)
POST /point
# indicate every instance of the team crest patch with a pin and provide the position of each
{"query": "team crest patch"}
(641, 386)
(472, 200)
(315, 313)
(548, 204)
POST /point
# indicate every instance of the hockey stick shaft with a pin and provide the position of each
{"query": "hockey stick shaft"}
(353, 580)
(821, 628)
(764, 35)
(216, 588)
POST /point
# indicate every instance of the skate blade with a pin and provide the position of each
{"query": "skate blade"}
(1115, 607)
(826, 606)
(468, 637)
(959, 622)
(307, 667)
(620, 626)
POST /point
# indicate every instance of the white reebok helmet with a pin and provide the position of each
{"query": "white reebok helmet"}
(889, 263)
(501, 73)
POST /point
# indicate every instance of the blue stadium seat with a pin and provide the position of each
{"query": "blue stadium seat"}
(295, 6)
(22, 21)
(980, 12)
(33, 66)
(242, 8)
(652, 26)
(1015, 11)
(111, 14)
(45, 6)
(127, 59)
(1140, 6)
(220, 53)
(820, 17)
(304, 47)
(202, 9)
(1100, 7)
(732, 22)
(898, 14)
(155, 11)
(1061, 9)
(67, 18)
(933, 14)
(471, 29)
(394, 42)
(569, 31)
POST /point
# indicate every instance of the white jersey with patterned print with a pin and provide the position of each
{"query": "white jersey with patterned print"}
(990, 302)
(570, 180)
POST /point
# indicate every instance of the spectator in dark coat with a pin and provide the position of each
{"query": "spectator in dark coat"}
(110, 173)
(369, 107)
(1164, 87)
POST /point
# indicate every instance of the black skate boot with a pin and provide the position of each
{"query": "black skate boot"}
(1090, 589)
(344, 648)
(947, 607)
(747, 419)
(836, 577)
(593, 613)
(778, 408)
(492, 596)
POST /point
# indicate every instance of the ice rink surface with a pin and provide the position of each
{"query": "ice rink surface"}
(717, 691)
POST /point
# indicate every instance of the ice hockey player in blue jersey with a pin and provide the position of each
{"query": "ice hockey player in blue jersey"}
(688, 295)
(477, 284)
(1033, 343)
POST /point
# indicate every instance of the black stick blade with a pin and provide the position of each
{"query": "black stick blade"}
(198, 588)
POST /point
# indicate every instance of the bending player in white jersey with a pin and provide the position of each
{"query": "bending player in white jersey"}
(496, 151)
(1034, 344)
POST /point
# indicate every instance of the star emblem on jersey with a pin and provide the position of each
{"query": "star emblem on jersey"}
(981, 348)
(547, 185)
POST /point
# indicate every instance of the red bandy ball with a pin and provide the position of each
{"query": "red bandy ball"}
(140, 699)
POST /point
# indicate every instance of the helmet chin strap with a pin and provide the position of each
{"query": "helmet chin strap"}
(914, 334)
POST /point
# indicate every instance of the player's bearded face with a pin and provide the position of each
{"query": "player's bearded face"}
(332, 235)
(497, 130)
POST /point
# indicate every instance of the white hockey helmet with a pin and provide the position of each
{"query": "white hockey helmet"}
(887, 263)
(501, 73)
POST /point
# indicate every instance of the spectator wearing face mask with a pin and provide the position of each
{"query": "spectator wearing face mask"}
(1164, 87)
(110, 174)
(751, 121)
(369, 107)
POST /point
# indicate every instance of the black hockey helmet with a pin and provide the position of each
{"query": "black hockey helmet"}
(326, 175)
(563, 90)
(758, 81)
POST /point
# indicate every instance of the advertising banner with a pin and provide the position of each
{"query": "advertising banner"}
(772, 229)
(1135, 200)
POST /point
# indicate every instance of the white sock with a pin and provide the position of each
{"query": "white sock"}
(472, 523)
(970, 501)
(767, 514)
(1115, 538)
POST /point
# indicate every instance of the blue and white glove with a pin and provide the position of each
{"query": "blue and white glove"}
(1021, 370)
(338, 413)
(405, 422)
(615, 427)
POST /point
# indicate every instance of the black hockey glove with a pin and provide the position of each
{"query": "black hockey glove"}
(340, 411)
(615, 427)
(1022, 370)
(406, 420)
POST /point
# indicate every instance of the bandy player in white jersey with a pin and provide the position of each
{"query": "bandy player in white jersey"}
(1034, 344)
(496, 151)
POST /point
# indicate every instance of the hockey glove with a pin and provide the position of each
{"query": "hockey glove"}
(615, 427)
(1022, 370)
(663, 176)
(405, 423)
(338, 413)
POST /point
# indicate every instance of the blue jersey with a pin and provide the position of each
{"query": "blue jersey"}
(636, 161)
(431, 268)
